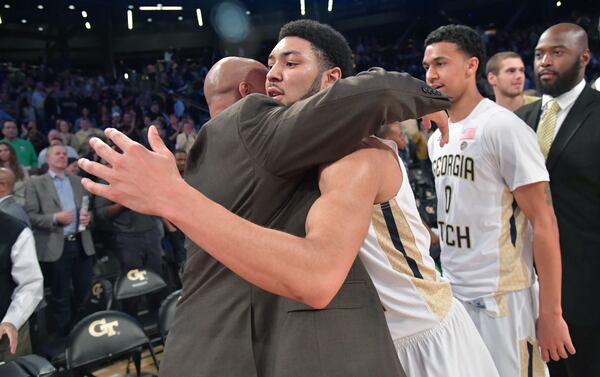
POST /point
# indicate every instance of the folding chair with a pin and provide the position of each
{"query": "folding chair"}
(36, 366)
(137, 283)
(166, 313)
(99, 298)
(104, 336)
(12, 369)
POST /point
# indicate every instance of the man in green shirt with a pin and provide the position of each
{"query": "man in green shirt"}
(25, 151)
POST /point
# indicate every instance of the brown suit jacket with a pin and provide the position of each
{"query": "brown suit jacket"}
(259, 159)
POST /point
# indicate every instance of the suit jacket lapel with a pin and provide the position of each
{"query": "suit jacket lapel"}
(77, 189)
(533, 118)
(578, 113)
(51, 189)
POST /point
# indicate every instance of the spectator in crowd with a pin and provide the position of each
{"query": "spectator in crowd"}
(51, 106)
(21, 286)
(26, 111)
(129, 125)
(82, 137)
(105, 122)
(53, 202)
(116, 120)
(37, 101)
(506, 74)
(24, 149)
(8, 160)
(179, 107)
(172, 131)
(85, 115)
(181, 159)
(64, 127)
(8, 204)
(395, 131)
(186, 137)
(55, 138)
(567, 123)
(73, 167)
(31, 132)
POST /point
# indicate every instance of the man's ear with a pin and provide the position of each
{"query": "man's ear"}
(585, 57)
(244, 89)
(491, 79)
(330, 76)
(472, 65)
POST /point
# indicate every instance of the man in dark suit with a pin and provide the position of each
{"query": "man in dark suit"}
(254, 312)
(53, 203)
(567, 122)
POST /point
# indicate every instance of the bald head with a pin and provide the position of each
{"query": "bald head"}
(231, 79)
(561, 56)
(568, 34)
(7, 182)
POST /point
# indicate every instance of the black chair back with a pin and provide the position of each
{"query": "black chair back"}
(137, 283)
(100, 297)
(36, 366)
(102, 336)
(166, 313)
(12, 369)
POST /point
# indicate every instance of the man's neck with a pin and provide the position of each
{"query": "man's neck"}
(462, 107)
(10, 140)
(511, 103)
(58, 172)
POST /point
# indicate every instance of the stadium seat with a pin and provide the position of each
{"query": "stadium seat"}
(36, 366)
(166, 313)
(103, 336)
(12, 369)
(138, 282)
(99, 298)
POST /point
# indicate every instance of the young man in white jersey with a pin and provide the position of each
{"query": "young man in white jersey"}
(495, 214)
(432, 332)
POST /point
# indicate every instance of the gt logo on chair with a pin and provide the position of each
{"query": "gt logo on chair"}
(100, 328)
(136, 274)
(97, 290)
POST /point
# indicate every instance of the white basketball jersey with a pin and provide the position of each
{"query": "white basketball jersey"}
(486, 240)
(396, 255)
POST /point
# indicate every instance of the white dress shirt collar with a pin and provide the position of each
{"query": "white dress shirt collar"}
(565, 100)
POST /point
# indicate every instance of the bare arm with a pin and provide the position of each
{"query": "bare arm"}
(333, 121)
(536, 202)
(310, 270)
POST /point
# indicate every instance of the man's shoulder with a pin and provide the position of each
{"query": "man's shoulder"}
(499, 118)
(528, 108)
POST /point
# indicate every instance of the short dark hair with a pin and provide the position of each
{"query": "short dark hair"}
(467, 40)
(331, 46)
(495, 62)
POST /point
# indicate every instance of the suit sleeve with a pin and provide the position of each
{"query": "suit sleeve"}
(34, 209)
(288, 140)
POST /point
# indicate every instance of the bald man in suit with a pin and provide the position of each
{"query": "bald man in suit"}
(567, 122)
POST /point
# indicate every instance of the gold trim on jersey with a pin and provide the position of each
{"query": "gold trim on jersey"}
(409, 261)
(512, 269)
(502, 304)
(529, 353)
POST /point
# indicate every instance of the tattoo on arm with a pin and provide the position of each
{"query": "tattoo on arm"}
(548, 194)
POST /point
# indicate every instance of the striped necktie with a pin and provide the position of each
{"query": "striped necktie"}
(546, 127)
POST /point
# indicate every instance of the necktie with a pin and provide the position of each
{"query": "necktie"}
(546, 127)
